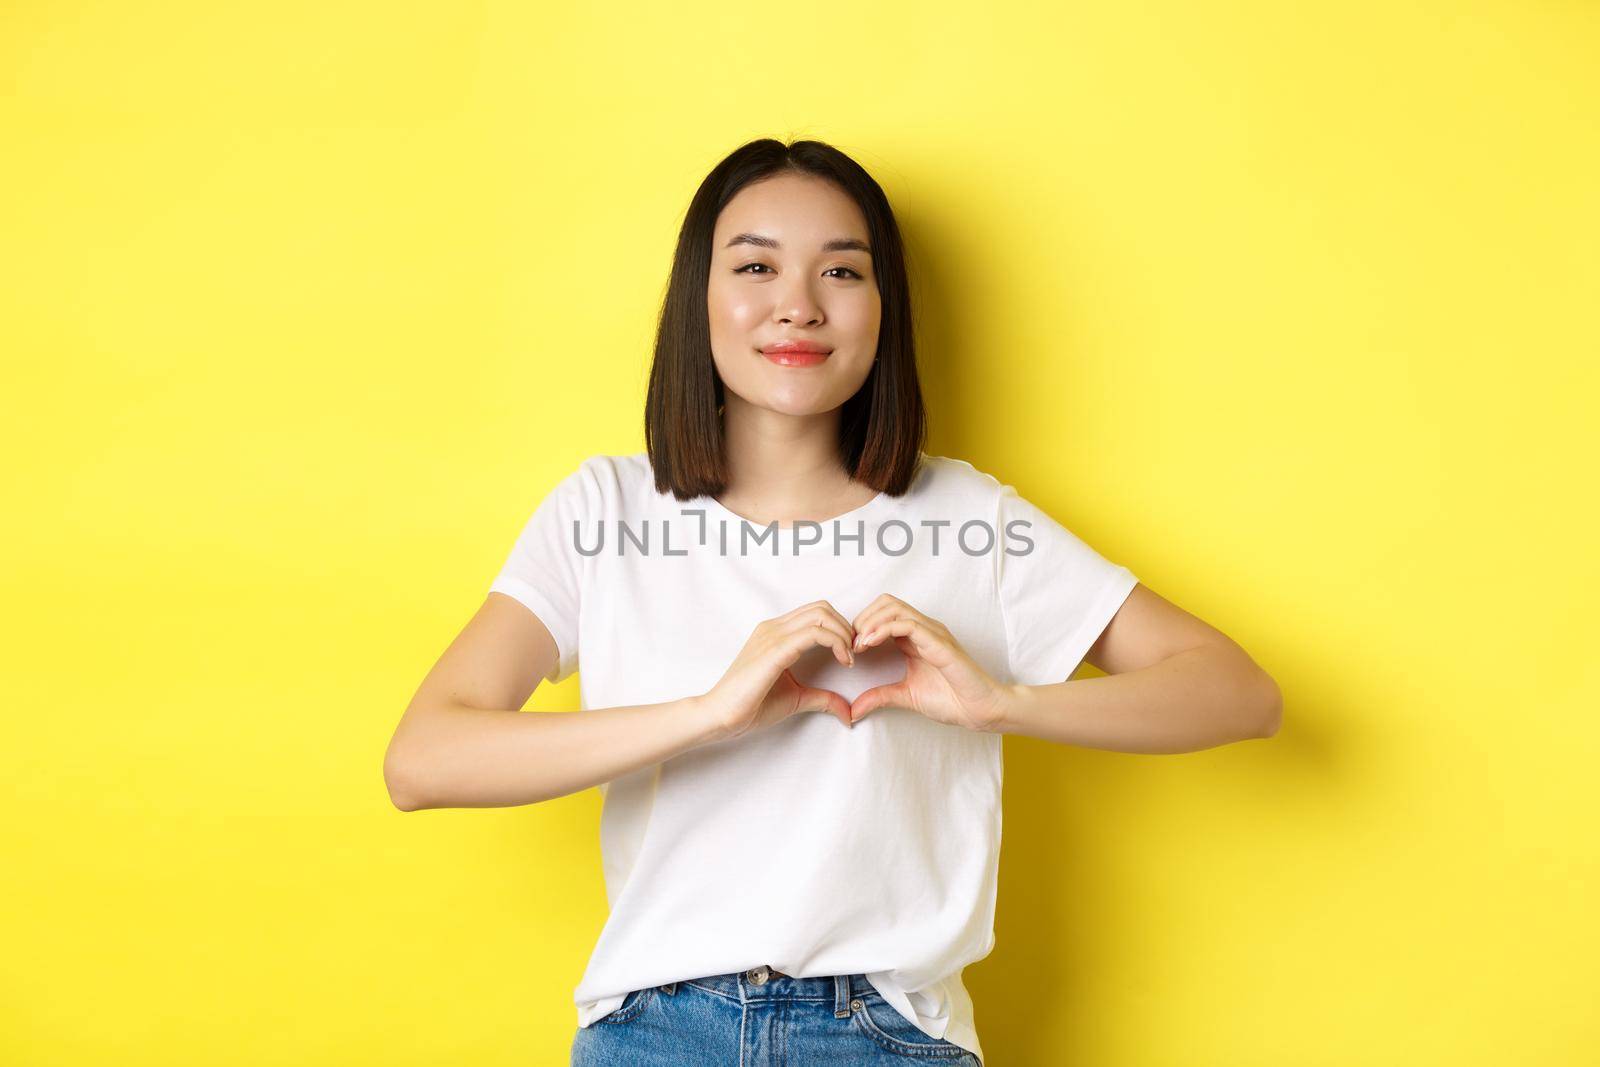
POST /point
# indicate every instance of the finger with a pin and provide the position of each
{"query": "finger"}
(931, 645)
(826, 700)
(801, 609)
(838, 616)
(873, 622)
(878, 603)
(818, 612)
(809, 635)
(818, 606)
(883, 606)
(879, 696)
(895, 608)
(842, 626)
(873, 632)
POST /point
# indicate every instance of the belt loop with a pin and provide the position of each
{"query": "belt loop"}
(841, 996)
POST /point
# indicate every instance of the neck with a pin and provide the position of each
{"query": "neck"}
(785, 468)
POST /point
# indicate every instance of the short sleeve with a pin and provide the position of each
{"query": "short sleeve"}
(544, 570)
(1057, 594)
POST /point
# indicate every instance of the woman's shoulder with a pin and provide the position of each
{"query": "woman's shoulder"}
(618, 467)
(614, 482)
(949, 476)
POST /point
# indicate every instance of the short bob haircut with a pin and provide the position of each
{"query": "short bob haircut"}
(882, 427)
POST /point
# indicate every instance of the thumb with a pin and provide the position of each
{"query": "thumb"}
(876, 697)
(821, 700)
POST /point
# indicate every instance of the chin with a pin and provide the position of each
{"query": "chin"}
(800, 405)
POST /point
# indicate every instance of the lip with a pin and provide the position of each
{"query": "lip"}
(796, 353)
(796, 347)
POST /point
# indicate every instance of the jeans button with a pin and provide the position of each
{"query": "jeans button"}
(757, 975)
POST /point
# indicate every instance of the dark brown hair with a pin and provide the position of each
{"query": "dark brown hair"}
(881, 428)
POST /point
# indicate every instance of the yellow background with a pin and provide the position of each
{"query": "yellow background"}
(1291, 308)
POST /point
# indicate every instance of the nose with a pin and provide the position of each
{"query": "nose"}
(796, 304)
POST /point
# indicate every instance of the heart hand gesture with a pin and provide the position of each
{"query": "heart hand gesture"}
(942, 681)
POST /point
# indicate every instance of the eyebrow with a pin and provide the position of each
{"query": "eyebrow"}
(838, 244)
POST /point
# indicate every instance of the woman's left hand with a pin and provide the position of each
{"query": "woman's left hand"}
(942, 681)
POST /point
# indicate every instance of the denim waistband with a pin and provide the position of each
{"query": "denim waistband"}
(743, 986)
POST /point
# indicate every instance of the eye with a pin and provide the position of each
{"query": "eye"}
(746, 269)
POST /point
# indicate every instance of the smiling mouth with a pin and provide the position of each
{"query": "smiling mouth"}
(793, 358)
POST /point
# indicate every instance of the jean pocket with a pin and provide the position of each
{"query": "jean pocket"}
(879, 1020)
(632, 1004)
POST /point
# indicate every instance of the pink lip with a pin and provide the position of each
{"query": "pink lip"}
(796, 359)
(796, 353)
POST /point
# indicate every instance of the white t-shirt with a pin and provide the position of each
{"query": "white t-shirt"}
(808, 846)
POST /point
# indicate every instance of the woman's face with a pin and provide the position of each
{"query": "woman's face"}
(778, 273)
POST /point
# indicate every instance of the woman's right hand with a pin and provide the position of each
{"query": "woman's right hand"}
(758, 688)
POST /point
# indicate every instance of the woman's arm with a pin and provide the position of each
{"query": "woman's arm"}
(1200, 698)
(1173, 683)
(454, 756)
(463, 743)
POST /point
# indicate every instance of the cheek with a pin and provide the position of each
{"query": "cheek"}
(862, 316)
(731, 311)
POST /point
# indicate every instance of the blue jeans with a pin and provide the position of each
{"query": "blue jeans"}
(756, 1017)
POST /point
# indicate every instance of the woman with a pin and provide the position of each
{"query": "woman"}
(803, 639)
